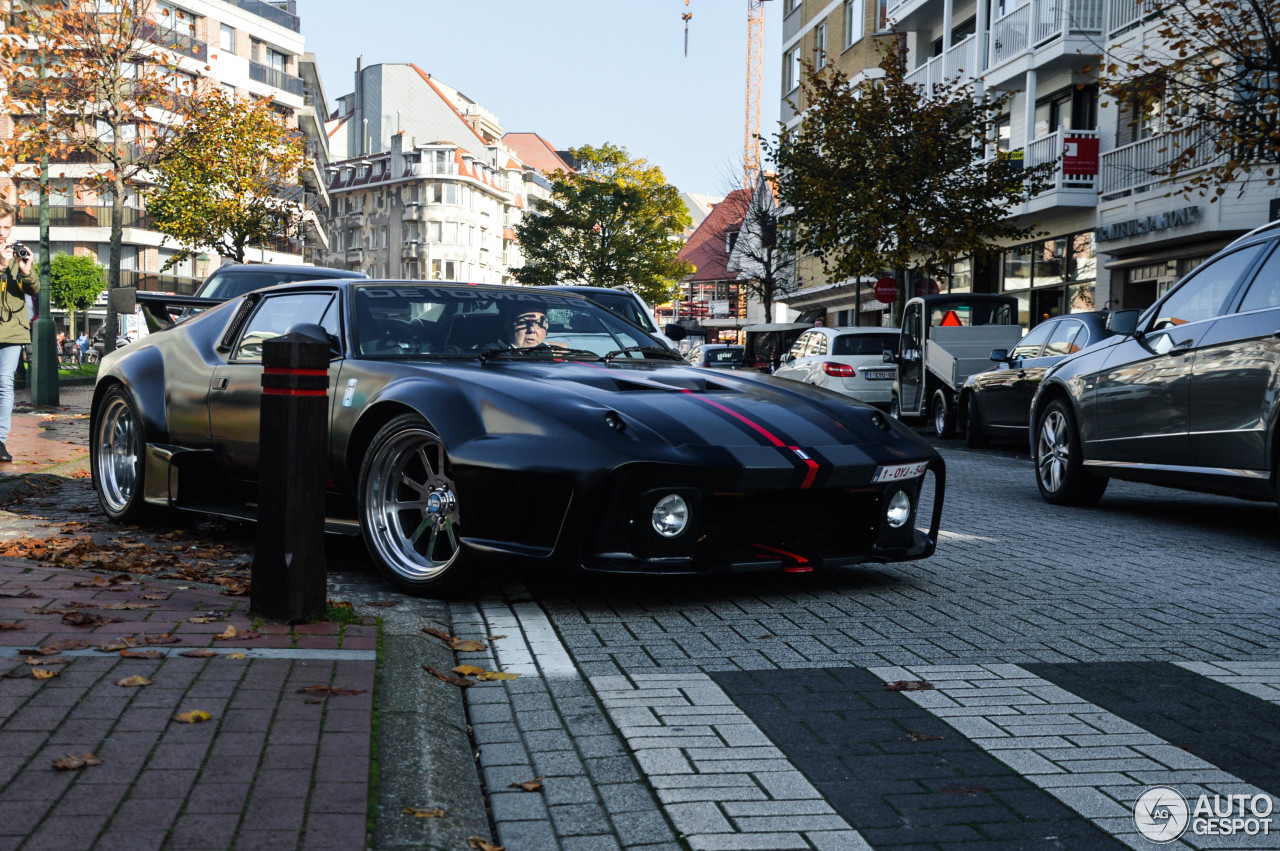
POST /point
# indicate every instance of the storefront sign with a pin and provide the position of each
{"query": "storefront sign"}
(1148, 224)
(1080, 155)
(887, 290)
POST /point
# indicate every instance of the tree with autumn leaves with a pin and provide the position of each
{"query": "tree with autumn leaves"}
(95, 84)
(612, 221)
(888, 175)
(231, 178)
(1206, 75)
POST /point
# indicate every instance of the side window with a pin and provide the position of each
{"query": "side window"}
(911, 327)
(275, 316)
(799, 346)
(820, 341)
(1203, 294)
(1264, 292)
(1029, 346)
(1070, 336)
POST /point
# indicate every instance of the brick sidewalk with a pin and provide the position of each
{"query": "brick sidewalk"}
(272, 768)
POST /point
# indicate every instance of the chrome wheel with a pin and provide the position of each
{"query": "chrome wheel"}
(939, 419)
(410, 505)
(116, 458)
(1053, 450)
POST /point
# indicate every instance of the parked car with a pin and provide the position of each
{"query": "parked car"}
(997, 402)
(1183, 395)
(847, 360)
(232, 279)
(716, 356)
(623, 301)
(446, 452)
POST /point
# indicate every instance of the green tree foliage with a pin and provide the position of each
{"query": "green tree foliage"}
(613, 221)
(232, 181)
(75, 282)
(96, 81)
(1207, 78)
(889, 175)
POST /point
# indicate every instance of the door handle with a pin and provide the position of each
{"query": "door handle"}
(218, 384)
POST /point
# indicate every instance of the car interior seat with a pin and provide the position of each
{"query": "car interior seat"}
(470, 331)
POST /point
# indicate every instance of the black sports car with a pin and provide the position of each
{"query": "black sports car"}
(997, 401)
(598, 448)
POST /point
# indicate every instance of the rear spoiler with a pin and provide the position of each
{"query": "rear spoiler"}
(158, 309)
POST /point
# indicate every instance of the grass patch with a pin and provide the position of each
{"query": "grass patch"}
(343, 614)
(84, 370)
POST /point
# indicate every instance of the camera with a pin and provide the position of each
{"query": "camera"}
(21, 251)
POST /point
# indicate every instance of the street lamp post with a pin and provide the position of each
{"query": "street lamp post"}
(44, 338)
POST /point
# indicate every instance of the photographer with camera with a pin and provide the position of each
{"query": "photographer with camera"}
(17, 269)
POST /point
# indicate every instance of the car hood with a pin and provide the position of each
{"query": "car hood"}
(691, 406)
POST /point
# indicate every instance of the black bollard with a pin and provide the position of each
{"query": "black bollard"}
(288, 568)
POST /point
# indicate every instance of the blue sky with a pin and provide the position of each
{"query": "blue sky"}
(575, 71)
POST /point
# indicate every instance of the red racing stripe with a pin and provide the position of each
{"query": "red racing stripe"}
(812, 464)
(770, 436)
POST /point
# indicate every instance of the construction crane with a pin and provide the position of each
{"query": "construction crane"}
(755, 88)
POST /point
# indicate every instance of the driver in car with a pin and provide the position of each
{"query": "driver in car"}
(526, 326)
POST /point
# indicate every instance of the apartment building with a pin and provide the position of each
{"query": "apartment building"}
(430, 187)
(1111, 234)
(247, 47)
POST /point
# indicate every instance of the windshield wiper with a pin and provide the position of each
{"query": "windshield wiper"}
(662, 351)
(543, 351)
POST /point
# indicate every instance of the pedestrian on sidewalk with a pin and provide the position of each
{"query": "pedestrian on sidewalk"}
(82, 347)
(17, 272)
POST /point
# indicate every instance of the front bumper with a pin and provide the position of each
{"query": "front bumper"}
(789, 529)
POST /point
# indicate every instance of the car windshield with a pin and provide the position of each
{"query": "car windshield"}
(402, 320)
(864, 344)
(236, 283)
(624, 305)
(978, 313)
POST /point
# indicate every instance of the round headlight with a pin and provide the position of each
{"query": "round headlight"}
(899, 510)
(670, 516)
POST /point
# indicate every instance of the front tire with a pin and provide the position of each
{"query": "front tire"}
(944, 416)
(117, 451)
(409, 511)
(974, 436)
(1060, 472)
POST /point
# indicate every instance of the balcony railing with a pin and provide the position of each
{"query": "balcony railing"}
(180, 42)
(1041, 21)
(260, 73)
(413, 213)
(412, 251)
(353, 220)
(355, 255)
(1050, 148)
(82, 217)
(155, 282)
(1127, 14)
(957, 66)
(282, 13)
(1131, 168)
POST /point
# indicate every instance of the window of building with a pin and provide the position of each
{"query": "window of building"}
(820, 46)
(791, 70)
(173, 18)
(362, 172)
(450, 232)
(434, 231)
(385, 237)
(790, 6)
(1016, 268)
(276, 60)
(1004, 133)
(451, 193)
(853, 20)
(1049, 262)
(227, 39)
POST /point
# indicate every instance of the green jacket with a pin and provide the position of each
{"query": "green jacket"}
(15, 325)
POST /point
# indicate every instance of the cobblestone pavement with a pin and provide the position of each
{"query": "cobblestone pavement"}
(1022, 688)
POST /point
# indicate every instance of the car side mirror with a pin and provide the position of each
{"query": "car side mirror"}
(887, 356)
(1000, 355)
(123, 299)
(674, 332)
(788, 357)
(1123, 322)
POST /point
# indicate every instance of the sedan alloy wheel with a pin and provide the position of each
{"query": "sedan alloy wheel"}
(1060, 471)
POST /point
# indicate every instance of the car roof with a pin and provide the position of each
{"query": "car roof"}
(289, 268)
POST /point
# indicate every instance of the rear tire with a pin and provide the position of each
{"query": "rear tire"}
(117, 457)
(1060, 472)
(974, 436)
(944, 416)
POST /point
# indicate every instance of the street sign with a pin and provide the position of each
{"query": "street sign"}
(886, 290)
